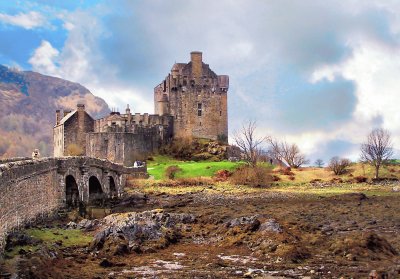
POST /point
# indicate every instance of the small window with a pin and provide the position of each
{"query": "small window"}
(165, 86)
(199, 109)
(200, 123)
(220, 113)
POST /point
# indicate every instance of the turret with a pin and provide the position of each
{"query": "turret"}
(197, 63)
(128, 113)
(163, 105)
(58, 116)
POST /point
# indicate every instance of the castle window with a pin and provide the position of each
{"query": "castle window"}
(184, 82)
(220, 113)
(200, 123)
(165, 85)
(199, 109)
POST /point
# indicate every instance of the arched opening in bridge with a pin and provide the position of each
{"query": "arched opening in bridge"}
(96, 194)
(113, 188)
(71, 192)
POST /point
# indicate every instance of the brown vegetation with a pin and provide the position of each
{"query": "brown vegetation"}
(339, 165)
(171, 171)
(252, 176)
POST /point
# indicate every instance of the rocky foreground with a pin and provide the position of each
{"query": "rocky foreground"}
(199, 235)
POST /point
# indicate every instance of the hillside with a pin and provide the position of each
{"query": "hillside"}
(28, 101)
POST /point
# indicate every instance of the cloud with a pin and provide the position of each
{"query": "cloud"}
(43, 59)
(320, 74)
(28, 20)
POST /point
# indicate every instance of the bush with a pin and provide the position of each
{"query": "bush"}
(74, 150)
(252, 176)
(180, 148)
(360, 179)
(171, 171)
(339, 165)
(222, 175)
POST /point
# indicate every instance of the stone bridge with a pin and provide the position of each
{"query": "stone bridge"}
(31, 189)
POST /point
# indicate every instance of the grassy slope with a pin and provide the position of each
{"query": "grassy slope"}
(157, 167)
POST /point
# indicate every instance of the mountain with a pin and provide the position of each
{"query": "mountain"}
(28, 102)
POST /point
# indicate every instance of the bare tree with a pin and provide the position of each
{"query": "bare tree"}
(339, 165)
(377, 150)
(250, 144)
(319, 163)
(288, 153)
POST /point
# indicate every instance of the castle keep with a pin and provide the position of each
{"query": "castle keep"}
(190, 102)
(196, 98)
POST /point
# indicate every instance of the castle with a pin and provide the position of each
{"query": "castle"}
(190, 102)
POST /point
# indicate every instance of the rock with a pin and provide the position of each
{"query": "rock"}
(138, 232)
(373, 275)
(87, 225)
(72, 225)
(270, 225)
(105, 263)
(250, 223)
(396, 189)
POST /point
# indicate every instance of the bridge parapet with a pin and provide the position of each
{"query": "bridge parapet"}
(37, 188)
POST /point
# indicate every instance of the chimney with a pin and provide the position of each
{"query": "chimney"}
(80, 107)
(66, 111)
(58, 117)
(197, 63)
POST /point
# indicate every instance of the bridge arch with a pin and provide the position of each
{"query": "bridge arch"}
(71, 192)
(96, 193)
(113, 187)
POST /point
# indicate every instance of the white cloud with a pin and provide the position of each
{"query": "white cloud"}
(28, 20)
(265, 47)
(43, 59)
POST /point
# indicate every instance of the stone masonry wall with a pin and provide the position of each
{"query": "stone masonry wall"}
(36, 188)
(75, 130)
(123, 148)
(27, 192)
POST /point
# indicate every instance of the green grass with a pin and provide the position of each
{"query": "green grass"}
(68, 237)
(48, 237)
(157, 167)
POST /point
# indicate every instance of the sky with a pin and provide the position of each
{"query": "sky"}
(321, 74)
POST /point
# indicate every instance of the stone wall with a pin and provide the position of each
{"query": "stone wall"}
(37, 188)
(75, 129)
(124, 148)
(28, 190)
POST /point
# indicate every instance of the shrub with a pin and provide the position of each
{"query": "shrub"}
(74, 150)
(276, 178)
(180, 148)
(252, 176)
(222, 175)
(171, 171)
(339, 165)
(360, 179)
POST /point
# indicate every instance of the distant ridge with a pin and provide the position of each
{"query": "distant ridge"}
(28, 101)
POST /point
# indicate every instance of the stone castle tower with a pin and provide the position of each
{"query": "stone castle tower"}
(196, 98)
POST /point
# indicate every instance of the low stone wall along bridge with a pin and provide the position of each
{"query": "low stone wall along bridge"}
(38, 188)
